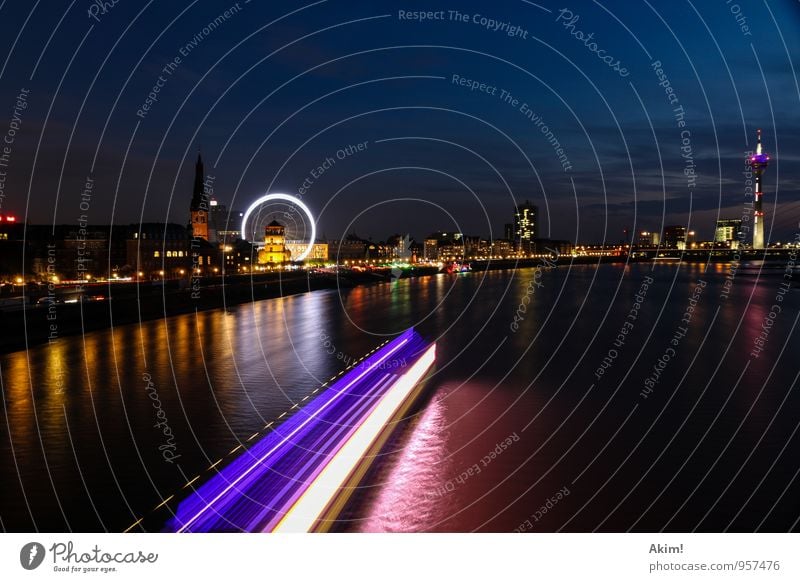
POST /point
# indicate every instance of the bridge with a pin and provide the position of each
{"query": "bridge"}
(298, 477)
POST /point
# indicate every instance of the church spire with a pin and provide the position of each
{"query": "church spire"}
(197, 191)
(198, 209)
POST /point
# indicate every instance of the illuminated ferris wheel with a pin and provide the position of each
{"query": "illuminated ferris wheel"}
(286, 207)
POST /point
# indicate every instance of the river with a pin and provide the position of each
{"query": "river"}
(578, 398)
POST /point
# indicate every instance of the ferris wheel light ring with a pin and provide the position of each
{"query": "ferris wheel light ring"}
(286, 198)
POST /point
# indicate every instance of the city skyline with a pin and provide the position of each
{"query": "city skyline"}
(231, 218)
(214, 222)
(625, 175)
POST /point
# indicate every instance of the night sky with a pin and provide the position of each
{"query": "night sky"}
(275, 88)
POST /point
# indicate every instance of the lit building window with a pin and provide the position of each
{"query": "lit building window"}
(156, 254)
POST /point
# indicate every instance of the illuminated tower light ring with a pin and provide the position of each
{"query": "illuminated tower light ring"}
(286, 198)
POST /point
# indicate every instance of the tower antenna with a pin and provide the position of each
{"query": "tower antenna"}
(758, 162)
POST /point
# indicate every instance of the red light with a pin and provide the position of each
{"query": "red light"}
(11, 219)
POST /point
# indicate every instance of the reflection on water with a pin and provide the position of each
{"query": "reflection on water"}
(406, 497)
(87, 417)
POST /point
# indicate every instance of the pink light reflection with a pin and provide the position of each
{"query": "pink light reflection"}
(406, 500)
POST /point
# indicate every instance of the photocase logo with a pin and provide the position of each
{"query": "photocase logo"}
(31, 555)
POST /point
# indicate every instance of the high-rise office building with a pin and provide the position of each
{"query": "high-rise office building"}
(224, 226)
(674, 237)
(647, 238)
(525, 226)
(728, 231)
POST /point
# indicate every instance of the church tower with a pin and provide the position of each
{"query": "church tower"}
(199, 206)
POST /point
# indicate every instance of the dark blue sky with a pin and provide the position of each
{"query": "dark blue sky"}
(268, 98)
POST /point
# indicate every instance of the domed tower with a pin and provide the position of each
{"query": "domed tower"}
(759, 162)
(274, 251)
